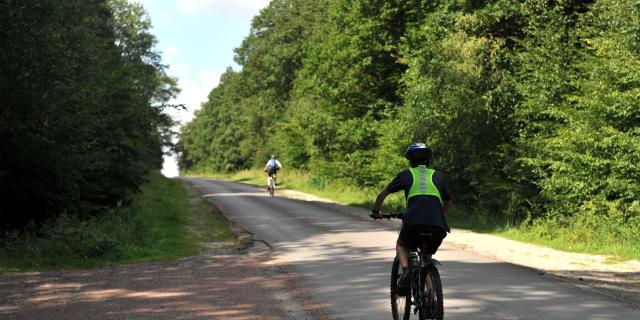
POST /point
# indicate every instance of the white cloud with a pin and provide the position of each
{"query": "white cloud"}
(195, 92)
(195, 86)
(241, 9)
(170, 52)
(195, 89)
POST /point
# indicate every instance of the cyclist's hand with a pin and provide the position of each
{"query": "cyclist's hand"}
(375, 214)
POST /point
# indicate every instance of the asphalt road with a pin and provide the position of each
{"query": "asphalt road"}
(344, 261)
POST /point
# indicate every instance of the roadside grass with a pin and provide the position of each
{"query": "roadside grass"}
(208, 226)
(157, 225)
(569, 237)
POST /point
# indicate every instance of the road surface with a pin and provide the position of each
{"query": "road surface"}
(344, 259)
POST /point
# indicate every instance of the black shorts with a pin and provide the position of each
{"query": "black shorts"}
(272, 173)
(410, 237)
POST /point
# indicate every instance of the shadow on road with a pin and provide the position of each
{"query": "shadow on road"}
(224, 287)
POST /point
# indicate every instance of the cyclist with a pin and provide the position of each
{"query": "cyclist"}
(427, 199)
(271, 168)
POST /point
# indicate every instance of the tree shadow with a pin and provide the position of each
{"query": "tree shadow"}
(205, 287)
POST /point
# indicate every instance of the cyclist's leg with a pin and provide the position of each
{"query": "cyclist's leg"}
(404, 243)
(403, 257)
(403, 254)
(429, 284)
(430, 246)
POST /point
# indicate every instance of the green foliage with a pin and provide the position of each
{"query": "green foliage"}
(577, 122)
(236, 128)
(82, 92)
(531, 106)
(458, 100)
(153, 227)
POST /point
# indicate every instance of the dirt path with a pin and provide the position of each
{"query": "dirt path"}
(241, 287)
(619, 280)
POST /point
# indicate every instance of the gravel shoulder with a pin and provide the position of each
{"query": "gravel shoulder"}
(620, 280)
(592, 272)
(241, 287)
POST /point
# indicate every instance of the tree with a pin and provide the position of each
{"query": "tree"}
(77, 81)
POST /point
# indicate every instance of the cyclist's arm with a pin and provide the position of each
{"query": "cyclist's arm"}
(380, 199)
(396, 185)
(447, 205)
(444, 191)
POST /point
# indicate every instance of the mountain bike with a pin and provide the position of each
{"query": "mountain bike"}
(272, 186)
(425, 287)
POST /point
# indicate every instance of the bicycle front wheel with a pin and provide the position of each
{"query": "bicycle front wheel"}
(400, 304)
(434, 306)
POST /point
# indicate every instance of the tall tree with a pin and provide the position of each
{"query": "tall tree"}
(79, 132)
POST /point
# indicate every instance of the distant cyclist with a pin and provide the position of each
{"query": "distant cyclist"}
(271, 168)
(427, 199)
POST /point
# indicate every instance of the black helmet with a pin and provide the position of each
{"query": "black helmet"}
(418, 152)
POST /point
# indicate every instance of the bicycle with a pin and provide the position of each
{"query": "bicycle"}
(272, 185)
(425, 289)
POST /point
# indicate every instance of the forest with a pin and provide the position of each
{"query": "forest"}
(531, 106)
(82, 91)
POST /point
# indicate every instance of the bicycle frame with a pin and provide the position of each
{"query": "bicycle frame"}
(418, 263)
(272, 185)
(425, 292)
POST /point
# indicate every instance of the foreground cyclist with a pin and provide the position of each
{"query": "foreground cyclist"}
(428, 200)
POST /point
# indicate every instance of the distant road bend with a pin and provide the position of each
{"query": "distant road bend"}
(344, 261)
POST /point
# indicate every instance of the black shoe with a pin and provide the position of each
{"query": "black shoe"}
(404, 284)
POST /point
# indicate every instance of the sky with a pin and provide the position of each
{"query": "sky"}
(197, 38)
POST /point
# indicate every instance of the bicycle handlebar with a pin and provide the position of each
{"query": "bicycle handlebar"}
(389, 216)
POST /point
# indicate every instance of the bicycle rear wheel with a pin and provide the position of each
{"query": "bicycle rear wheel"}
(434, 308)
(400, 305)
(272, 187)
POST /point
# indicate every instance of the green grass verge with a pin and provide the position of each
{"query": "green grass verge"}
(570, 237)
(163, 222)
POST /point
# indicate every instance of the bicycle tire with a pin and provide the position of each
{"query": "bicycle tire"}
(272, 187)
(398, 302)
(437, 309)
